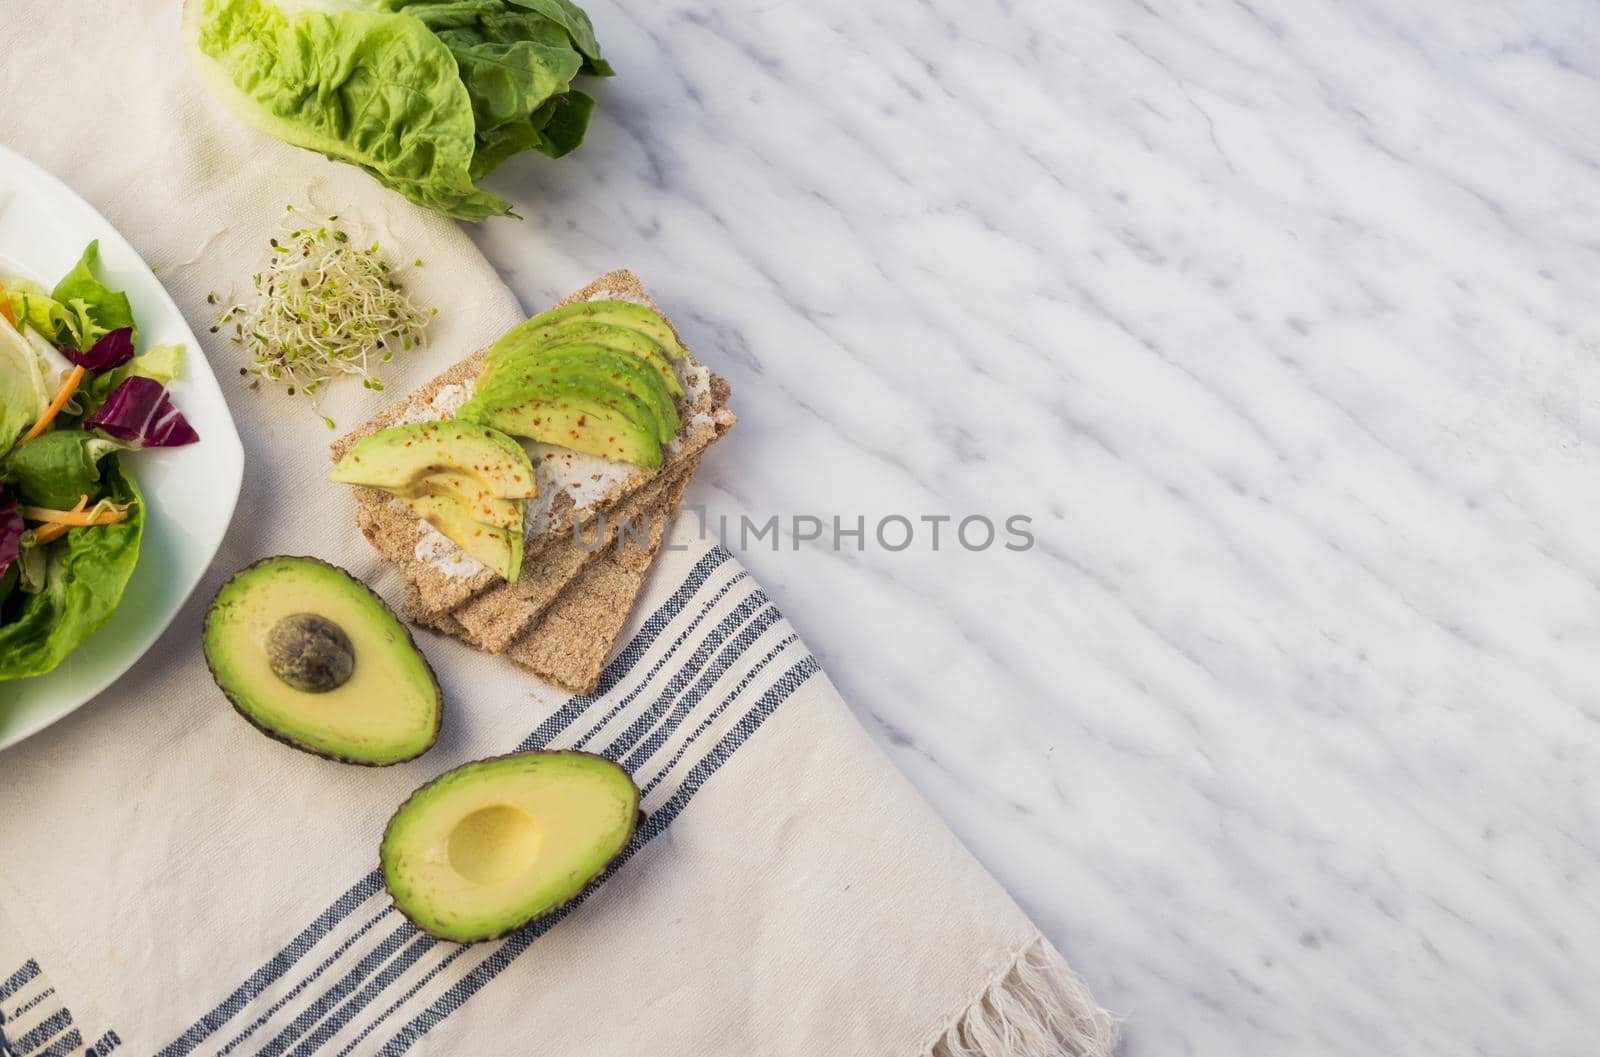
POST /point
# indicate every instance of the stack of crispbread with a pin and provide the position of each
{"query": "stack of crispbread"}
(561, 616)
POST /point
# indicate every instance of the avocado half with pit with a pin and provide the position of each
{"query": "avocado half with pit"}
(312, 657)
(492, 845)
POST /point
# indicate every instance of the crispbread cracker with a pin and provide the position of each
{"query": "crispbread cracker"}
(443, 577)
(496, 617)
(569, 646)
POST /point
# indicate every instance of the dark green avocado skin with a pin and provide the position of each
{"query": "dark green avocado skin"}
(279, 736)
(639, 818)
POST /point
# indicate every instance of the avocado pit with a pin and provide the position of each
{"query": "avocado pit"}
(310, 653)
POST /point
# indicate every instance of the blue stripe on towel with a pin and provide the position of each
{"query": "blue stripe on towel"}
(19, 979)
(294, 992)
(41, 1033)
(711, 717)
(627, 699)
(640, 751)
(31, 1003)
(402, 934)
(269, 973)
(62, 1046)
(703, 652)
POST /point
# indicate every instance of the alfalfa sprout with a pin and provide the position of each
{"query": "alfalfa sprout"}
(323, 307)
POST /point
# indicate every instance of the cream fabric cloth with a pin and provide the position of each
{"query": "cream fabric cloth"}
(171, 882)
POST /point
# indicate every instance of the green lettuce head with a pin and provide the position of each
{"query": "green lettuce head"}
(426, 95)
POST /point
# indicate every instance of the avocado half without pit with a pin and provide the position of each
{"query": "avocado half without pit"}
(490, 846)
(312, 657)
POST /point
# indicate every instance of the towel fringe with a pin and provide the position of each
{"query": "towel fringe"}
(1037, 1007)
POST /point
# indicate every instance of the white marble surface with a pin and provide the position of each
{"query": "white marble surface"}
(1280, 319)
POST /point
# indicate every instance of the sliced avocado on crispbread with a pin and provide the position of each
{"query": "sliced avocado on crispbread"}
(465, 479)
(620, 338)
(312, 657)
(540, 369)
(595, 416)
(492, 845)
(596, 376)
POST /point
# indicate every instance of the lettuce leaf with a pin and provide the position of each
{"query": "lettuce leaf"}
(87, 571)
(98, 309)
(23, 394)
(34, 308)
(55, 469)
(426, 95)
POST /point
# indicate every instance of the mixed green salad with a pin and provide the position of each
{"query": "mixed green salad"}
(73, 394)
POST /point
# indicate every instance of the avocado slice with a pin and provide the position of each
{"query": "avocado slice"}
(395, 459)
(498, 548)
(594, 362)
(483, 505)
(621, 313)
(611, 335)
(633, 342)
(589, 415)
(312, 657)
(488, 847)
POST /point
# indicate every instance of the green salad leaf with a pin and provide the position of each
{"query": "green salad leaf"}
(33, 307)
(85, 574)
(97, 309)
(57, 468)
(23, 396)
(162, 363)
(426, 95)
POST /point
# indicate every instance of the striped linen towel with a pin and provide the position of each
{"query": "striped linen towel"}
(172, 883)
(788, 892)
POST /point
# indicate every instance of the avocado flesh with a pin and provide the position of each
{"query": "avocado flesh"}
(633, 342)
(396, 459)
(498, 548)
(619, 313)
(489, 846)
(483, 506)
(579, 362)
(383, 709)
(609, 335)
(599, 419)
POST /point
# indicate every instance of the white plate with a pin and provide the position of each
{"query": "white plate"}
(189, 492)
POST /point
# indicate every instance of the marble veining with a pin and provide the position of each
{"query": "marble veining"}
(1280, 321)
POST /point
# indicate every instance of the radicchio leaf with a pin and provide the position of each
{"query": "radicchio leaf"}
(11, 529)
(112, 350)
(140, 414)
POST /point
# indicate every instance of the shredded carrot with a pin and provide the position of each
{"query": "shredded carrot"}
(5, 307)
(67, 389)
(55, 523)
(51, 533)
(74, 517)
